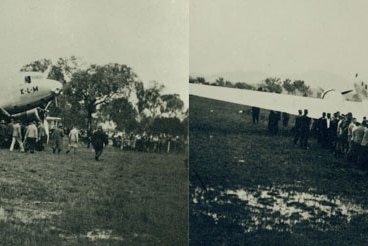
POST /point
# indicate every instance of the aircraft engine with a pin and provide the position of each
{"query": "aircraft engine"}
(30, 115)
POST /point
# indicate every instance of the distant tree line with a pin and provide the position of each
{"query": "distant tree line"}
(110, 92)
(272, 84)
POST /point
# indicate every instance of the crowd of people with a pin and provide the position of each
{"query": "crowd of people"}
(343, 134)
(273, 119)
(15, 135)
(27, 138)
(33, 136)
(156, 143)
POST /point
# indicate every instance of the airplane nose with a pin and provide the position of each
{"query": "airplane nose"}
(57, 87)
(57, 91)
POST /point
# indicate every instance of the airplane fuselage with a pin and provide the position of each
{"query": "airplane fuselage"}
(27, 92)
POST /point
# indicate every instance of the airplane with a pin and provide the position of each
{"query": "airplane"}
(331, 101)
(27, 95)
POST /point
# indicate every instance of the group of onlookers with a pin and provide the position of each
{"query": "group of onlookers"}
(302, 129)
(350, 139)
(30, 137)
(345, 135)
(33, 136)
(158, 143)
(273, 121)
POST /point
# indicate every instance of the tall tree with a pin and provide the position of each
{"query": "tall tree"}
(122, 112)
(229, 84)
(220, 81)
(61, 71)
(302, 87)
(98, 85)
(67, 66)
(149, 100)
(192, 80)
(273, 85)
(172, 105)
(171, 126)
(201, 80)
(37, 66)
(288, 86)
(243, 85)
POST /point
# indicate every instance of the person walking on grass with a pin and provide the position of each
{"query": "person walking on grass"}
(31, 137)
(16, 137)
(57, 137)
(305, 122)
(73, 140)
(297, 127)
(99, 138)
(42, 137)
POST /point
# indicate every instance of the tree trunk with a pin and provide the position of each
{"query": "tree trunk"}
(89, 127)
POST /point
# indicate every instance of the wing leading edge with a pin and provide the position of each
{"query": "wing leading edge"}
(278, 102)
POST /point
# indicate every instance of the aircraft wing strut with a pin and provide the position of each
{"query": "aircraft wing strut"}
(5, 112)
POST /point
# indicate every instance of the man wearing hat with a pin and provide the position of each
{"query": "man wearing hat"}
(305, 122)
(99, 138)
(31, 136)
(57, 137)
(297, 126)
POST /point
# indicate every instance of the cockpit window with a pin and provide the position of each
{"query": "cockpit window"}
(27, 79)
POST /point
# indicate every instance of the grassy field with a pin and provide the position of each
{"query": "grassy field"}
(248, 187)
(127, 198)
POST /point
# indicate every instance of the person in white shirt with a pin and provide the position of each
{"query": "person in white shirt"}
(31, 137)
(16, 137)
(73, 140)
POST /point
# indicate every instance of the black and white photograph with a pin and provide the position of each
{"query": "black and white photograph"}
(94, 111)
(278, 131)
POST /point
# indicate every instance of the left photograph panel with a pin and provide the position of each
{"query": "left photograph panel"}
(94, 122)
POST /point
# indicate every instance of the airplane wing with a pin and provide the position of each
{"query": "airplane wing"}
(280, 102)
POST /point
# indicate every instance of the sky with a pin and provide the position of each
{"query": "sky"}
(150, 36)
(279, 36)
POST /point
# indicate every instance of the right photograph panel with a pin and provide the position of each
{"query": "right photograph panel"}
(278, 131)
